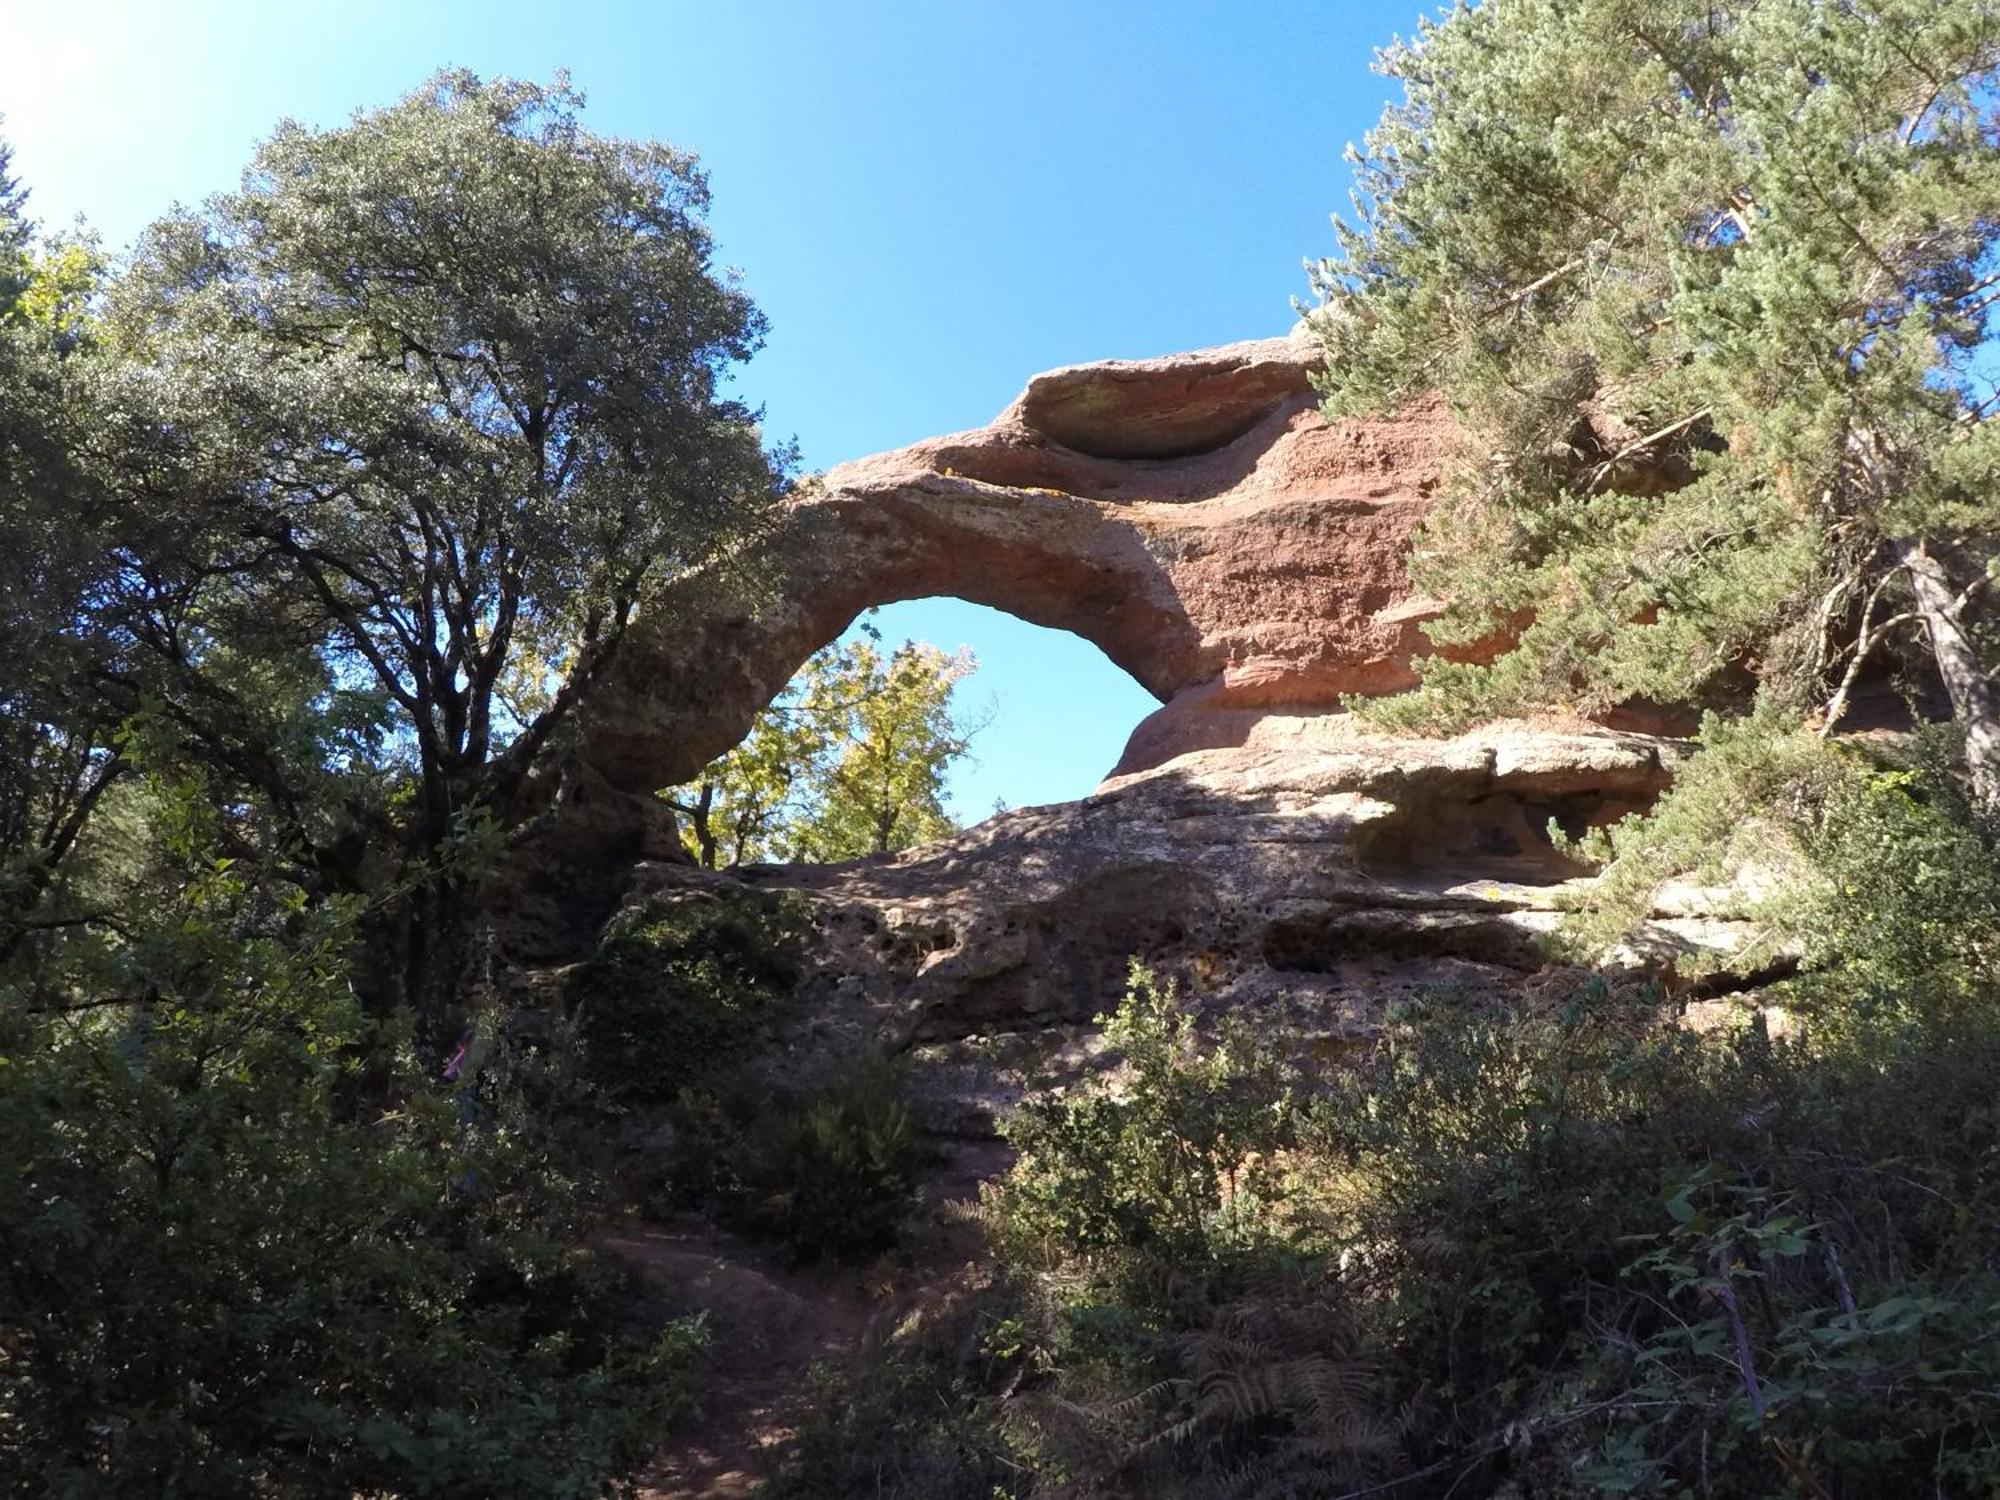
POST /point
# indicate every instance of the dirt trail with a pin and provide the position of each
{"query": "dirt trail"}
(768, 1321)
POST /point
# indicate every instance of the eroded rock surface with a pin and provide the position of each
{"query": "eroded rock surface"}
(1193, 516)
(1314, 872)
(1198, 520)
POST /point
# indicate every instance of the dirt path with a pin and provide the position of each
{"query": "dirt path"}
(769, 1321)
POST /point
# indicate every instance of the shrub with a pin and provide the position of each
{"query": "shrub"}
(1576, 1250)
(1173, 1156)
(838, 1169)
(222, 1275)
(1668, 1257)
(678, 992)
(901, 1428)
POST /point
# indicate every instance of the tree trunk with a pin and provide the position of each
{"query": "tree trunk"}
(438, 912)
(701, 823)
(438, 906)
(1974, 702)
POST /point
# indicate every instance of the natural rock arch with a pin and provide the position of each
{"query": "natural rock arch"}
(1198, 520)
(1192, 516)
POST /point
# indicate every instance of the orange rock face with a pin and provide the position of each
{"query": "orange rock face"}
(1192, 516)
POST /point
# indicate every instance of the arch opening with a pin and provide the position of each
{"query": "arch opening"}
(1056, 710)
(922, 717)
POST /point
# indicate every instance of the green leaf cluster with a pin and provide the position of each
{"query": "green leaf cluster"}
(1708, 285)
(1583, 1250)
(1162, 1158)
(676, 993)
(838, 1169)
(249, 1250)
(850, 760)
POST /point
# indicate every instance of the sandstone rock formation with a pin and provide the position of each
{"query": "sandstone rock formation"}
(1312, 873)
(1192, 516)
(1198, 520)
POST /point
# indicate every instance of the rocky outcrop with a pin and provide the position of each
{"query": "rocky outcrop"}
(1193, 516)
(1198, 520)
(1313, 872)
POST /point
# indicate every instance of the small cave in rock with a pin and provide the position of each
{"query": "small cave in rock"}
(1498, 835)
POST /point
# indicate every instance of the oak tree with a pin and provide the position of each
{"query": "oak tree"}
(433, 392)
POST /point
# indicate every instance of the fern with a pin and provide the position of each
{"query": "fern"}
(1273, 1397)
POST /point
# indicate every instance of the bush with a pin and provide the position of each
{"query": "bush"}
(678, 992)
(838, 1169)
(1667, 1258)
(1189, 1347)
(222, 1275)
(1583, 1250)
(901, 1428)
(1875, 877)
(1162, 1158)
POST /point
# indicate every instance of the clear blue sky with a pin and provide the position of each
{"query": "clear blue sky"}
(930, 201)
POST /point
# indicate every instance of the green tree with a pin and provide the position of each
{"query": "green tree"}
(16, 229)
(433, 394)
(222, 1274)
(850, 760)
(885, 791)
(744, 805)
(1709, 284)
(58, 568)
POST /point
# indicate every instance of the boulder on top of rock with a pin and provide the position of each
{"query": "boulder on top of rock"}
(1175, 407)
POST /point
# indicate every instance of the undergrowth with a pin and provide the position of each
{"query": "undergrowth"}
(1578, 1249)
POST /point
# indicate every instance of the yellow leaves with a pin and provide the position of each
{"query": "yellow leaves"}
(61, 281)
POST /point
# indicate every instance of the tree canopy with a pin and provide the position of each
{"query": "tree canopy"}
(850, 760)
(389, 446)
(1711, 285)
(449, 375)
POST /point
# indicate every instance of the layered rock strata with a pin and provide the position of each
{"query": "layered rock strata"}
(1311, 874)
(1193, 516)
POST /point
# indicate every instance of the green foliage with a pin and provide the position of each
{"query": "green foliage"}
(1519, 1196)
(59, 564)
(1730, 825)
(850, 760)
(1186, 1347)
(907, 1425)
(451, 374)
(680, 991)
(228, 1268)
(1708, 283)
(1160, 1160)
(1581, 1249)
(1901, 921)
(420, 416)
(838, 1168)
(1876, 882)
(16, 231)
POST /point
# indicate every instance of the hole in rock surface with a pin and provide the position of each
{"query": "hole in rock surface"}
(1055, 711)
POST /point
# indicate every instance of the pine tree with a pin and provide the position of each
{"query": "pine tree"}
(1710, 285)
